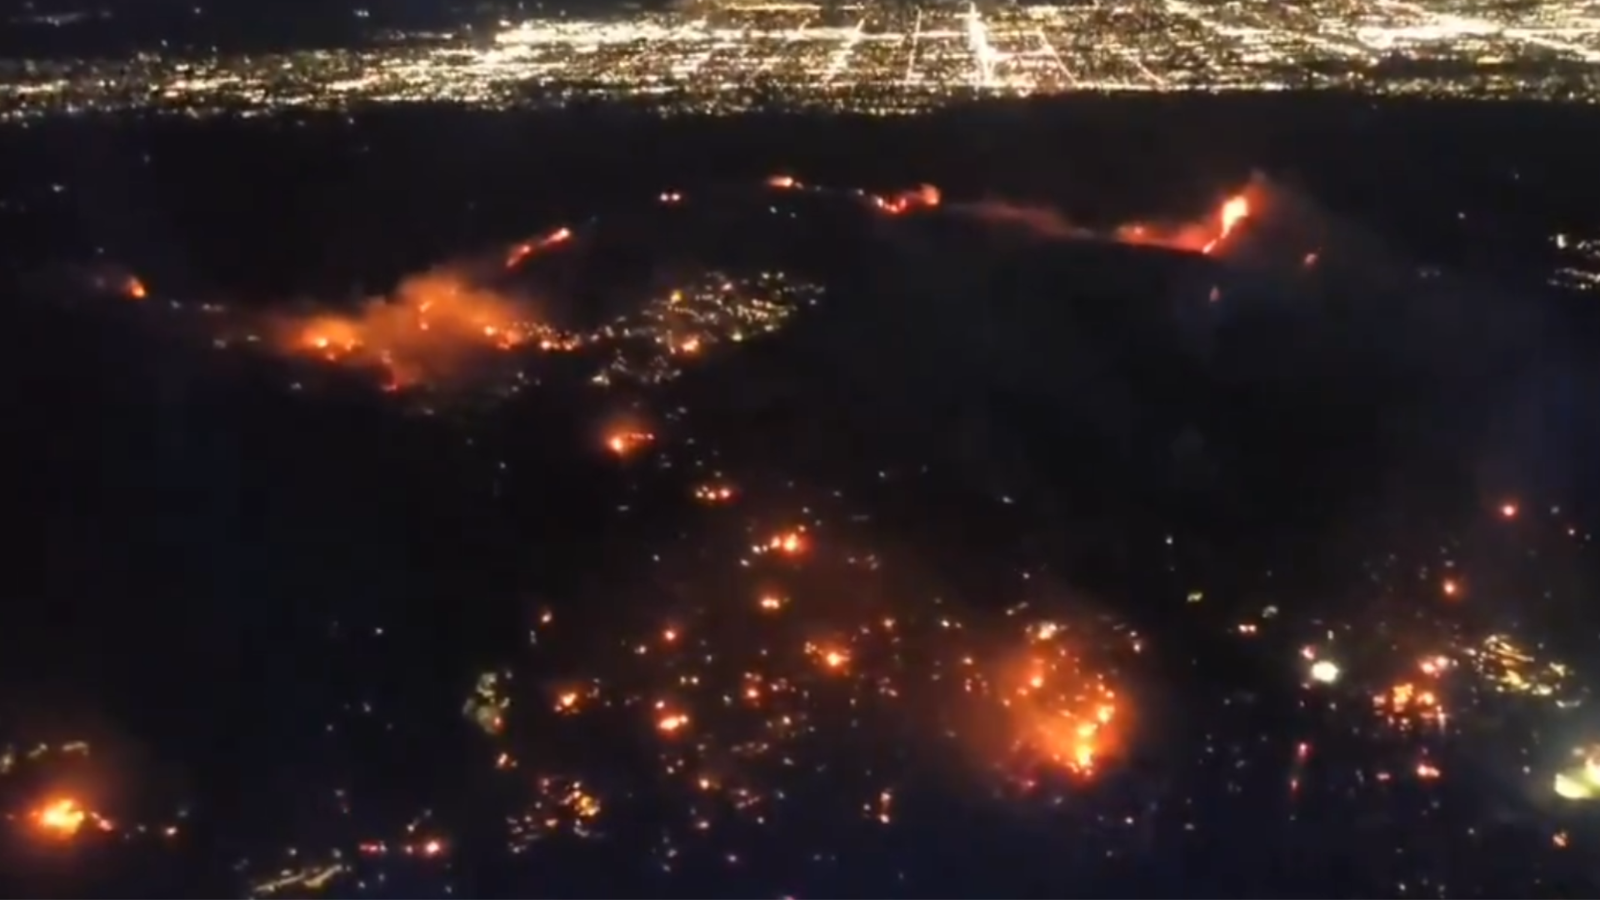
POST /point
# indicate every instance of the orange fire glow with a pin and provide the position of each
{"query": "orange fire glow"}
(62, 817)
(626, 443)
(522, 251)
(432, 325)
(1234, 211)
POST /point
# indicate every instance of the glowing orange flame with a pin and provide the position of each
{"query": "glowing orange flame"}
(522, 251)
(788, 543)
(833, 659)
(1234, 211)
(624, 443)
(1063, 713)
(331, 338)
(432, 327)
(713, 493)
(1205, 236)
(62, 817)
(925, 197)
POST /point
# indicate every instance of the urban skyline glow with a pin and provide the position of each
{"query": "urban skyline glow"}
(728, 57)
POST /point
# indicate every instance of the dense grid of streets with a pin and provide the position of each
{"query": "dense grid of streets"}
(889, 58)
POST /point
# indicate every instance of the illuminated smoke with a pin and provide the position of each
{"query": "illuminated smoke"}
(433, 327)
(1206, 235)
(1039, 221)
(451, 326)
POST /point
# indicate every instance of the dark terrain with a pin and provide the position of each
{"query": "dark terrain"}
(191, 536)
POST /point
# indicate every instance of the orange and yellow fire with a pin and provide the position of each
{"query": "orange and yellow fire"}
(62, 817)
